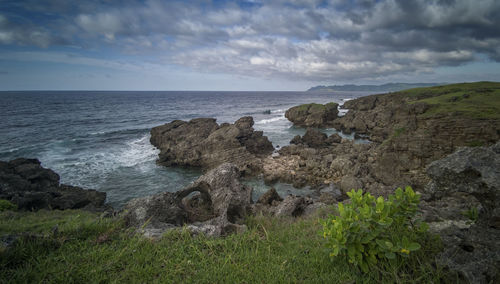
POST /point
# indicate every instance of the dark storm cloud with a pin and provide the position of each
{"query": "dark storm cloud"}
(315, 40)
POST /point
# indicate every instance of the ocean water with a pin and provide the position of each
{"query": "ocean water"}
(100, 140)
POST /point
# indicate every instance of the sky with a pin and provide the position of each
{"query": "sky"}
(244, 45)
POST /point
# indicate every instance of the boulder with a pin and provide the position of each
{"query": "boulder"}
(330, 194)
(215, 204)
(292, 206)
(313, 115)
(203, 143)
(32, 187)
(314, 138)
(334, 138)
(461, 205)
(269, 197)
(349, 183)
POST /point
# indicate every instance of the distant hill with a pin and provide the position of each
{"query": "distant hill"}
(389, 87)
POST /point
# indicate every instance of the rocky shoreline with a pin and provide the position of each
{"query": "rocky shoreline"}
(32, 187)
(412, 143)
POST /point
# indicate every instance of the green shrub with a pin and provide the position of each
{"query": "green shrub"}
(7, 205)
(367, 230)
(472, 213)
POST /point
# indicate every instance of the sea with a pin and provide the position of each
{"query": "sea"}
(100, 139)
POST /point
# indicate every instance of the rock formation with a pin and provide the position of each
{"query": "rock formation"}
(313, 115)
(412, 134)
(215, 204)
(32, 187)
(203, 143)
(462, 205)
(406, 132)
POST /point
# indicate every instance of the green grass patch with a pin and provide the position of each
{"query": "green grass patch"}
(399, 131)
(480, 100)
(90, 249)
(7, 205)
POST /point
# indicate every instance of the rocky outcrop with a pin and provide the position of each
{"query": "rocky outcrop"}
(30, 186)
(215, 204)
(203, 143)
(462, 205)
(270, 197)
(315, 139)
(406, 131)
(313, 115)
(412, 134)
(345, 165)
(272, 204)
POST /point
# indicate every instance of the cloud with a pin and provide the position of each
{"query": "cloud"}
(301, 39)
(24, 34)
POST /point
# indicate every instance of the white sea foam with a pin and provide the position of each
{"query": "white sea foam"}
(90, 167)
(270, 120)
(278, 111)
(138, 152)
(342, 111)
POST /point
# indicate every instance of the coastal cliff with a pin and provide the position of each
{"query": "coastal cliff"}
(407, 130)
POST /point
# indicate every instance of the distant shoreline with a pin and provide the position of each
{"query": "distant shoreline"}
(389, 87)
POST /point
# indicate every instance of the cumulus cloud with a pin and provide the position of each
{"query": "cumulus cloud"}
(305, 39)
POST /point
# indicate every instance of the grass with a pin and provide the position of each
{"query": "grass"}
(91, 249)
(480, 100)
(399, 131)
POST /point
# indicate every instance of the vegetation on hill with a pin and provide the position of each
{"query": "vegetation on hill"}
(480, 100)
(389, 87)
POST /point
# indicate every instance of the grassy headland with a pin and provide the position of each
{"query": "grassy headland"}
(86, 248)
(480, 100)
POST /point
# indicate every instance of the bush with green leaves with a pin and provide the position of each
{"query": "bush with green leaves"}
(369, 229)
(7, 205)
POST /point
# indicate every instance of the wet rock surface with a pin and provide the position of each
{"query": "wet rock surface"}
(313, 115)
(30, 186)
(203, 143)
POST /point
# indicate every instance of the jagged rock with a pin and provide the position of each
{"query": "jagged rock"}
(314, 138)
(297, 139)
(334, 138)
(330, 194)
(313, 115)
(349, 182)
(218, 208)
(474, 171)
(467, 180)
(32, 187)
(292, 206)
(203, 143)
(269, 197)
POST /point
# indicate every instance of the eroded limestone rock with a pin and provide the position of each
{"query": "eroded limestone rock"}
(215, 204)
(201, 142)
